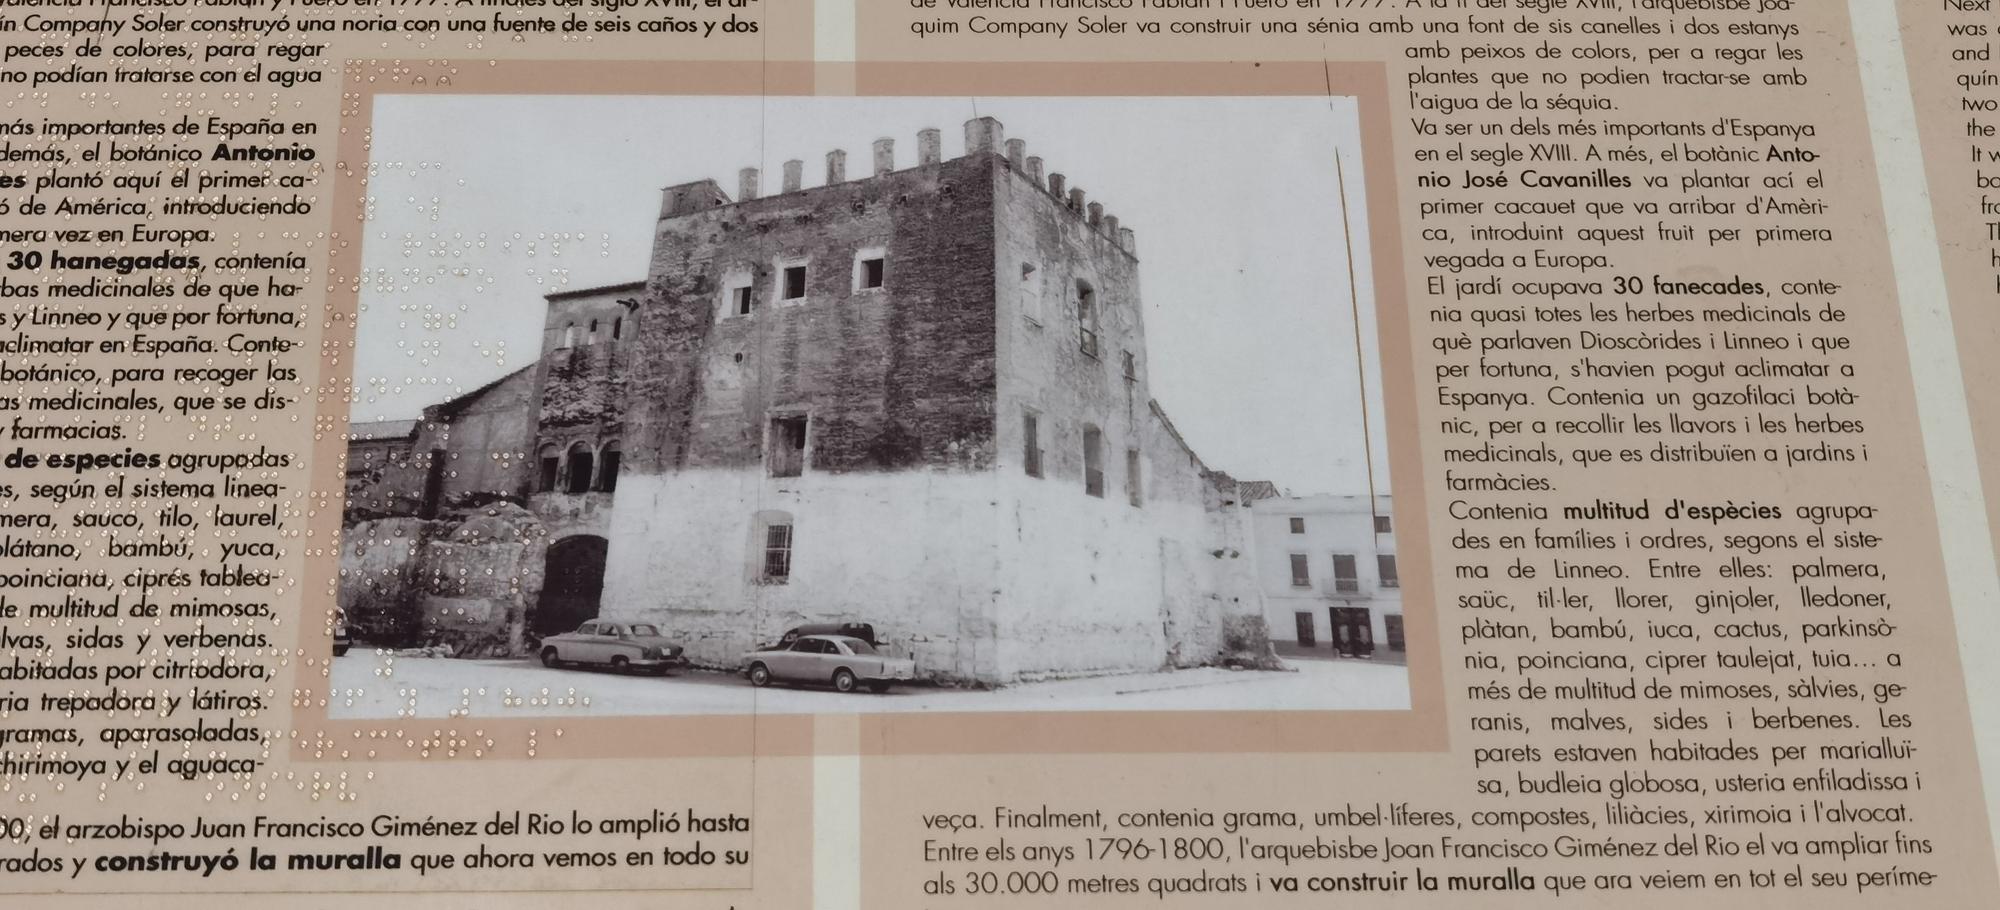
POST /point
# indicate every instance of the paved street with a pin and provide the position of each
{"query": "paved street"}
(368, 684)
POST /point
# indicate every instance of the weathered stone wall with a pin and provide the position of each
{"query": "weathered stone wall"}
(590, 316)
(487, 437)
(893, 378)
(379, 562)
(1045, 253)
(464, 581)
(1233, 619)
(893, 516)
(380, 478)
(583, 392)
(567, 514)
(586, 353)
(1090, 584)
(477, 580)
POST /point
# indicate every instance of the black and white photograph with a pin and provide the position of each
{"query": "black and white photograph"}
(731, 405)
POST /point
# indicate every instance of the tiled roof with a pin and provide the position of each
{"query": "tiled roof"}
(371, 430)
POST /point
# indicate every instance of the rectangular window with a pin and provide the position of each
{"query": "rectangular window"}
(1134, 482)
(1093, 462)
(1086, 321)
(1345, 576)
(1381, 524)
(787, 446)
(1301, 571)
(777, 553)
(1385, 568)
(1392, 628)
(1031, 293)
(740, 301)
(1031, 444)
(1131, 365)
(870, 274)
(1298, 526)
(795, 283)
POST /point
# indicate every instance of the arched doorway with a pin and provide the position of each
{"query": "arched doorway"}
(571, 586)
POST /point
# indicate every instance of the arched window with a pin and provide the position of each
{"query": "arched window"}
(548, 464)
(593, 330)
(580, 464)
(617, 328)
(607, 467)
(569, 335)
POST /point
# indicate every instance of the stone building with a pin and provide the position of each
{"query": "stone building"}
(918, 398)
(380, 458)
(1327, 566)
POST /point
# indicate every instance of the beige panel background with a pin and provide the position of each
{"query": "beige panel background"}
(821, 800)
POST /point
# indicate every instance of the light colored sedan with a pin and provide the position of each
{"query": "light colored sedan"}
(841, 661)
(620, 646)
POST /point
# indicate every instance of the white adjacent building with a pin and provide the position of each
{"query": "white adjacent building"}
(1327, 567)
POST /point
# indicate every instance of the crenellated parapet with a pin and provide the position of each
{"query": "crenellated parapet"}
(982, 136)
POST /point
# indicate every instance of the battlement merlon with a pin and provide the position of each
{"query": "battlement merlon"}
(983, 136)
(700, 195)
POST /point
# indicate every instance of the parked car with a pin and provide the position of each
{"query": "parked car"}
(341, 640)
(842, 661)
(620, 646)
(861, 630)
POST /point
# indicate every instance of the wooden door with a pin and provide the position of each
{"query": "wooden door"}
(1352, 632)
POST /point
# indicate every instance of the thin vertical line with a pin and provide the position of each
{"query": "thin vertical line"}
(1360, 356)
